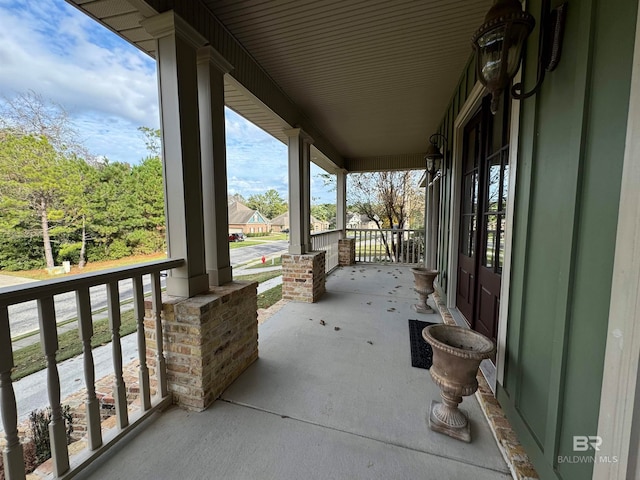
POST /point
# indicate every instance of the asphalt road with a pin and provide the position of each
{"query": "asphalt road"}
(23, 317)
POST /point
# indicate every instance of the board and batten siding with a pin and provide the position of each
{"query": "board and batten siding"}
(570, 155)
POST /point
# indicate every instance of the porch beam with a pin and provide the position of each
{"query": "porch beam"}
(211, 70)
(299, 191)
(176, 46)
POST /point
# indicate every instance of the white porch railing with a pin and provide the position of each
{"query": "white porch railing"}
(43, 293)
(388, 245)
(327, 241)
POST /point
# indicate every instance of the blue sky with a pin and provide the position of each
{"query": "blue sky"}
(109, 89)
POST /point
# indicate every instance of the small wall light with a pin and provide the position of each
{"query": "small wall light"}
(499, 40)
(433, 157)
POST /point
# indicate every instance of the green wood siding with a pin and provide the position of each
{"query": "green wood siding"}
(570, 155)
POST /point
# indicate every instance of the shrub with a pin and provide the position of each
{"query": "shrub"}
(144, 241)
(118, 249)
(258, 234)
(39, 424)
(69, 252)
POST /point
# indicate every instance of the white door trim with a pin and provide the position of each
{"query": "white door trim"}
(473, 102)
(466, 112)
(619, 417)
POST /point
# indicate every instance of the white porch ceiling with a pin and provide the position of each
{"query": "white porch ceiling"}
(373, 77)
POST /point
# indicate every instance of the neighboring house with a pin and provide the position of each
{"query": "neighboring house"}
(356, 220)
(281, 222)
(244, 219)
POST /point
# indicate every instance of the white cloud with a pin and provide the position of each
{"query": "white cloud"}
(109, 89)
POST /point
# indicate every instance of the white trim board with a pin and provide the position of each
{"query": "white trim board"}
(619, 418)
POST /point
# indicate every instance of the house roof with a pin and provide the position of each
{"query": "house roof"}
(369, 81)
(241, 214)
(283, 219)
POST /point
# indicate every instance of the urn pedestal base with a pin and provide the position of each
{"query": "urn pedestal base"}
(462, 432)
(423, 308)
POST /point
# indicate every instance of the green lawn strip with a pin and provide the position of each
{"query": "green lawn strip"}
(277, 261)
(30, 359)
(258, 277)
(246, 243)
(269, 297)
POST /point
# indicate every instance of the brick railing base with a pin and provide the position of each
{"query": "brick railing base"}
(303, 276)
(346, 251)
(209, 340)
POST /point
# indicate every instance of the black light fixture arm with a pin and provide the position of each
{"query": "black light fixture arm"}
(549, 46)
(433, 138)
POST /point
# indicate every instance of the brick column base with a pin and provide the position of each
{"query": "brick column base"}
(209, 340)
(303, 276)
(346, 251)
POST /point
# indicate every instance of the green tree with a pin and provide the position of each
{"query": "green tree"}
(35, 177)
(152, 140)
(325, 212)
(390, 199)
(270, 203)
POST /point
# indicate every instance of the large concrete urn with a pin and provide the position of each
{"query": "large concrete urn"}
(423, 285)
(457, 353)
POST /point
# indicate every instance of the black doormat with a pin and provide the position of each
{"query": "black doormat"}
(421, 353)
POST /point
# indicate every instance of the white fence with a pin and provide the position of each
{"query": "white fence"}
(43, 293)
(388, 245)
(327, 241)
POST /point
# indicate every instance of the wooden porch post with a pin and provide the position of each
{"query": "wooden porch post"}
(176, 46)
(211, 69)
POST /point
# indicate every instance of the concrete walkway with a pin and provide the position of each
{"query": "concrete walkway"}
(333, 399)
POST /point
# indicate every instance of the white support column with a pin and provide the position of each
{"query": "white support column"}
(341, 202)
(299, 191)
(435, 221)
(306, 188)
(176, 46)
(427, 221)
(211, 69)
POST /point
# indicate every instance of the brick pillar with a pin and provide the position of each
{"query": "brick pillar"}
(346, 251)
(209, 340)
(303, 276)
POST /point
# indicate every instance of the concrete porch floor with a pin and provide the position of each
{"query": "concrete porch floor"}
(320, 403)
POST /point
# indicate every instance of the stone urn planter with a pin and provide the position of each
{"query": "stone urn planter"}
(423, 285)
(457, 353)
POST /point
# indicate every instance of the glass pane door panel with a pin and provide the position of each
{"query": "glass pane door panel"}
(490, 236)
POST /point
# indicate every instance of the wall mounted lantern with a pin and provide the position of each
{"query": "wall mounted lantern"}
(434, 157)
(499, 40)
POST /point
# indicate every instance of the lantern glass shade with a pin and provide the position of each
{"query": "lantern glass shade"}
(500, 50)
(433, 159)
(498, 44)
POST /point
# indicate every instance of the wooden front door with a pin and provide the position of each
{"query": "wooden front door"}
(485, 174)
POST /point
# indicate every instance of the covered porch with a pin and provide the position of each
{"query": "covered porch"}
(337, 399)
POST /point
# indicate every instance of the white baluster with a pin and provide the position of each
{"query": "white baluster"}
(156, 300)
(49, 342)
(138, 305)
(12, 454)
(85, 331)
(119, 388)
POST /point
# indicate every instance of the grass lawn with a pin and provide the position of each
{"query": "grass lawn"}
(271, 296)
(275, 262)
(273, 236)
(30, 359)
(89, 267)
(258, 277)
